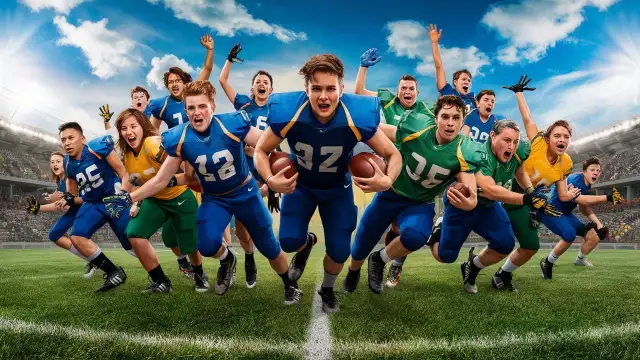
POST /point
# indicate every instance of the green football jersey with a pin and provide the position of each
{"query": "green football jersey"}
(427, 168)
(393, 111)
(502, 174)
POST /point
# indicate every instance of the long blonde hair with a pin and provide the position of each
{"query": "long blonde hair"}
(53, 177)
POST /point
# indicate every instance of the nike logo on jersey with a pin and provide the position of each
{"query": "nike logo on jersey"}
(181, 202)
(250, 189)
(347, 185)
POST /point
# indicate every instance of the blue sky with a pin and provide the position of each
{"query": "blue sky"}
(67, 57)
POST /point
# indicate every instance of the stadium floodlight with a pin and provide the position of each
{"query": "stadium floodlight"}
(616, 129)
(29, 132)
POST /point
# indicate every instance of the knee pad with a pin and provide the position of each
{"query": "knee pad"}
(266, 243)
(505, 247)
(412, 239)
(339, 254)
(568, 234)
(209, 246)
(290, 245)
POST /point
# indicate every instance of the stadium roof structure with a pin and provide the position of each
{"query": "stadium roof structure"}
(25, 138)
(613, 138)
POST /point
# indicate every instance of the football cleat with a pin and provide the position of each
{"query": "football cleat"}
(329, 302)
(394, 275)
(583, 262)
(469, 274)
(501, 280)
(89, 271)
(251, 273)
(113, 280)
(350, 283)
(375, 271)
(292, 295)
(299, 261)
(159, 287)
(201, 283)
(226, 273)
(185, 268)
(547, 268)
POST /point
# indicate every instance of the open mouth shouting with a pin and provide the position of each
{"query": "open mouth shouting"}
(262, 91)
(175, 90)
(324, 107)
(488, 109)
(465, 88)
(132, 140)
(507, 155)
(561, 147)
(139, 104)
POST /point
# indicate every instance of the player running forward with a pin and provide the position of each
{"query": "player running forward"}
(568, 225)
(174, 208)
(433, 154)
(479, 122)
(461, 78)
(393, 107)
(93, 172)
(255, 105)
(322, 126)
(505, 161)
(214, 146)
(58, 233)
(171, 108)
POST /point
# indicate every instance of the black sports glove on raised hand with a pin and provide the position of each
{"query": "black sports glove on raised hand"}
(273, 201)
(33, 206)
(521, 85)
(69, 198)
(233, 54)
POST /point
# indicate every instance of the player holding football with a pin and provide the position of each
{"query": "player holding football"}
(214, 146)
(479, 122)
(393, 108)
(93, 172)
(434, 154)
(568, 225)
(505, 156)
(256, 106)
(322, 125)
(173, 209)
(58, 233)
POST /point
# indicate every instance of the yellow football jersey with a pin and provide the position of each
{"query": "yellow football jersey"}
(538, 167)
(146, 165)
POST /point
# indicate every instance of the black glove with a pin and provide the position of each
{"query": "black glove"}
(521, 85)
(233, 54)
(603, 232)
(173, 182)
(105, 114)
(541, 204)
(273, 201)
(33, 206)
(69, 198)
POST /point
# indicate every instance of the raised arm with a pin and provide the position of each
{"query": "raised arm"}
(106, 116)
(368, 58)
(441, 78)
(529, 124)
(207, 68)
(226, 69)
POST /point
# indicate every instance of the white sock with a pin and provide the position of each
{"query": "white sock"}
(384, 256)
(509, 266)
(95, 254)
(552, 257)
(581, 255)
(224, 254)
(397, 262)
(75, 252)
(329, 279)
(477, 263)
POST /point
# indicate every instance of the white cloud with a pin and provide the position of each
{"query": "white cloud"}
(107, 51)
(60, 6)
(531, 27)
(227, 18)
(410, 39)
(159, 66)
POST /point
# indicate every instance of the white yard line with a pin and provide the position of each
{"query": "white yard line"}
(160, 341)
(318, 346)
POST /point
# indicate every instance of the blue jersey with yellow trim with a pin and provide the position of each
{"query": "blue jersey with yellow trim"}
(258, 115)
(170, 110)
(217, 156)
(469, 99)
(577, 180)
(323, 151)
(480, 131)
(61, 184)
(95, 177)
(147, 111)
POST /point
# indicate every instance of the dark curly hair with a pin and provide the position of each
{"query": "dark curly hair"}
(186, 78)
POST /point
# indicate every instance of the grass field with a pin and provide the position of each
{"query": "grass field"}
(48, 311)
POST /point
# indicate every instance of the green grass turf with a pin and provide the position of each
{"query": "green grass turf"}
(426, 309)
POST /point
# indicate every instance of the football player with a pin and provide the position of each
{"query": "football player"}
(322, 125)
(479, 122)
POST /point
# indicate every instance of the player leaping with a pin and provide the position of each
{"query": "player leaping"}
(322, 125)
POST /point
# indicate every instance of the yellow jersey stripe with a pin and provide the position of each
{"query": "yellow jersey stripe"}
(226, 132)
(427, 108)
(390, 103)
(353, 127)
(94, 153)
(417, 134)
(184, 133)
(286, 129)
(518, 158)
(244, 106)
(463, 164)
(166, 100)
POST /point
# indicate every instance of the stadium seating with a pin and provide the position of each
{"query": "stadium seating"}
(21, 165)
(620, 165)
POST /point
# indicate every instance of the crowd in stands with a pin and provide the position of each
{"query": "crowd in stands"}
(22, 165)
(620, 165)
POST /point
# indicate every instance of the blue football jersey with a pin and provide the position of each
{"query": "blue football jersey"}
(61, 184)
(577, 180)
(469, 99)
(217, 157)
(258, 115)
(95, 177)
(169, 110)
(147, 111)
(479, 130)
(322, 151)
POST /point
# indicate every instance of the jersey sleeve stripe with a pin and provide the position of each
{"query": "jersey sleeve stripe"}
(94, 153)
(427, 108)
(417, 134)
(286, 129)
(518, 158)
(470, 112)
(244, 106)
(226, 132)
(463, 163)
(353, 127)
(184, 133)
(166, 100)
(390, 103)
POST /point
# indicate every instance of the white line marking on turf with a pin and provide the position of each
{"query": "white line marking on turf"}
(355, 348)
(318, 346)
(161, 341)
